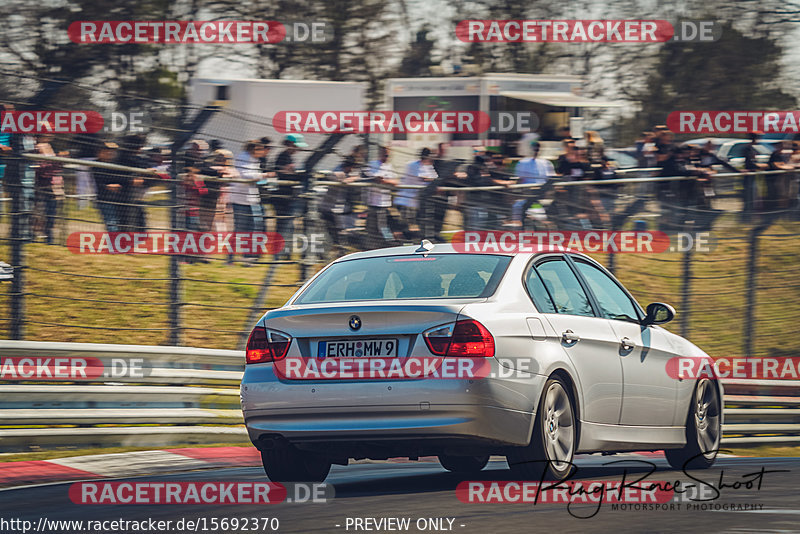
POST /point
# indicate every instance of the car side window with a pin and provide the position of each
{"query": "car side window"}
(564, 288)
(538, 292)
(613, 301)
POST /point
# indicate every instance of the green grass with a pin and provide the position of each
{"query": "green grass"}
(216, 312)
(223, 307)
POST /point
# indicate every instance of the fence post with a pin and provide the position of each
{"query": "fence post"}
(175, 285)
(20, 211)
(750, 305)
(14, 181)
(686, 293)
(187, 131)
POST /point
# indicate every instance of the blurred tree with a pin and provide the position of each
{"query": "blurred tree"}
(737, 72)
(34, 39)
(417, 60)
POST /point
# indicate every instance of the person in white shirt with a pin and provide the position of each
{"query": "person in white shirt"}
(379, 200)
(532, 170)
(243, 194)
(418, 172)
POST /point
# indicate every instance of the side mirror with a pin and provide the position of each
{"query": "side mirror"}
(658, 313)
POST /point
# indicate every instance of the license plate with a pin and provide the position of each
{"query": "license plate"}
(360, 348)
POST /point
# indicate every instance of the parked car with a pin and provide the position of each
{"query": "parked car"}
(733, 152)
(731, 149)
(574, 363)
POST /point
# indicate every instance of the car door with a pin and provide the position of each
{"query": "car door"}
(589, 341)
(648, 393)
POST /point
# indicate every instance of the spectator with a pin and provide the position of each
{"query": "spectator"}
(194, 189)
(481, 174)
(379, 200)
(663, 144)
(499, 201)
(575, 165)
(794, 190)
(48, 187)
(244, 196)
(595, 146)
(778, 184)
(263, 161)
(134, 186)
(334, 205)
(602, 168)
(5, 142)
(751, 164)
(708, 159)
(586, 199)
(84, 183)
(267, 183)
(419, 172)
(109, 188)
(684, 194)
(533, 170)
(663, 152)
(568, 146)
(646, 150)
(359, 154)
(283, 201)
(433, 201)
(196, 159)
(157, 159)
(195, 153)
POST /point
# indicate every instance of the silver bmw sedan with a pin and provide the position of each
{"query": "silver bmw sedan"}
(429, 351)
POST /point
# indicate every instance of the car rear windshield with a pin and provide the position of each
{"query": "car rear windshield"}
(408, 277)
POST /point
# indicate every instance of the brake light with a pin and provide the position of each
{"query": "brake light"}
(467, 338)
(266, 345)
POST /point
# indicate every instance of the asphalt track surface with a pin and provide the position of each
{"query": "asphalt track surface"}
(425, 490)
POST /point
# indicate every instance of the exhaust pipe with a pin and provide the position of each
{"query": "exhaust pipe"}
(269, 443)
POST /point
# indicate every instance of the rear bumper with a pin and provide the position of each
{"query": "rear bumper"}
(496, 411)
(488, 424)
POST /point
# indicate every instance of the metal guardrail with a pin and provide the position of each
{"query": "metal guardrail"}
(190, 395)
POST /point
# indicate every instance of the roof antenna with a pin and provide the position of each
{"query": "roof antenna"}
(425, 248)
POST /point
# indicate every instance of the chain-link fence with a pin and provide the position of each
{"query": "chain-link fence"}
(731, 269)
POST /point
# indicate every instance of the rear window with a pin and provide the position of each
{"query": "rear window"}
(408, 277)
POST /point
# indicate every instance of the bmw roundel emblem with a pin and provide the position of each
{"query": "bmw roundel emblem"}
(355, 322)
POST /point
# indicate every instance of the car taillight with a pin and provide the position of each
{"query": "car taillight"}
(467, 338)
(266, 345)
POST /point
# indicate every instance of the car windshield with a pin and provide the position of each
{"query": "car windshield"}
(408, 277)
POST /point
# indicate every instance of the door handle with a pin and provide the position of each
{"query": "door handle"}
(626, 344)
(570, 337)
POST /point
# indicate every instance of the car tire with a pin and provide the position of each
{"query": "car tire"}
(554, 439)
(464, 464)
(287, 464)
(703, 429)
